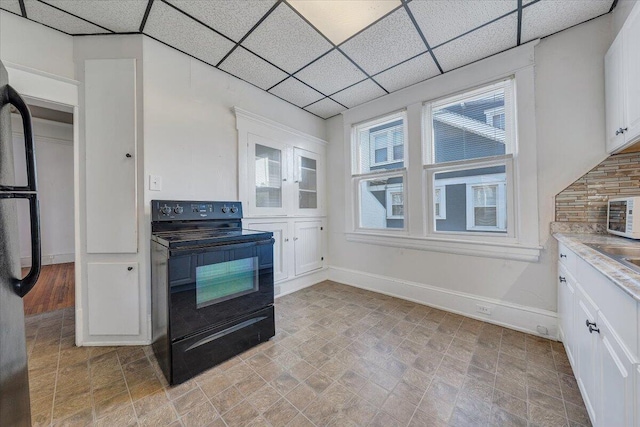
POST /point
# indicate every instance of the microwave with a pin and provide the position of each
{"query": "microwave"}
(620, 218)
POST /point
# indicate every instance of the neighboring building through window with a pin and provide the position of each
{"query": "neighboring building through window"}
(379, 172)
(469, 159)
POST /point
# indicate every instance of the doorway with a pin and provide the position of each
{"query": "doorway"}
(53, 141)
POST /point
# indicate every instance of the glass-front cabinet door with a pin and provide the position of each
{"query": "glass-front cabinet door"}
(268, 176)
(308, 182)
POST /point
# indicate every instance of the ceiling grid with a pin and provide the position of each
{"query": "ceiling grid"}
(278, 46)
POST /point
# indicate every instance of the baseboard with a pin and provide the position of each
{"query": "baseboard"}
(50, 259)
(292, 285)
(509, 315)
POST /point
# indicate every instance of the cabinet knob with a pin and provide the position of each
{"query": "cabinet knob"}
(295, 238)
(286, 240)
(592, 330)
(589, 324)
(562, 279)
(621, 130)
(129, 268)
(128, 155)
(563, 255)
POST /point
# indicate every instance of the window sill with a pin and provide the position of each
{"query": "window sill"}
(484, 249)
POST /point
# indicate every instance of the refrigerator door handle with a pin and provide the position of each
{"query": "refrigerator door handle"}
(22, 286)
(8, 95)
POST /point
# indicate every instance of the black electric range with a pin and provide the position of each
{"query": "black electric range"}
(212, 285)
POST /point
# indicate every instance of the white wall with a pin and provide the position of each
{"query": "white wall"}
(35, 46)
(54, 166)
(569, 88)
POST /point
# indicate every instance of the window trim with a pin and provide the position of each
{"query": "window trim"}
(357, 179)
(356, 157)
(511, 236)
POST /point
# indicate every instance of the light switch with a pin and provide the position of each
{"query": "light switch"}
(155, 183)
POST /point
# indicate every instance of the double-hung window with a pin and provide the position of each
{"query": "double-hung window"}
(379, 173)
(469, 149)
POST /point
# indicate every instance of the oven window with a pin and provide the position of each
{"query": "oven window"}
(226, 280)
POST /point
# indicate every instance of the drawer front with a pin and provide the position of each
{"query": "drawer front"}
(616, 305)
(567, 258)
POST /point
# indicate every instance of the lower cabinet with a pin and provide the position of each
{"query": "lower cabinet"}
(308, 246)
(615, 367)
(114, 298)
(298, 247)
(586, 352)
(597, 325)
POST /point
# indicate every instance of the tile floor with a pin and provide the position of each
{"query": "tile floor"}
(341, 357)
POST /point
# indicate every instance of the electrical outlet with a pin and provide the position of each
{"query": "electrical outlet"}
(483, 309)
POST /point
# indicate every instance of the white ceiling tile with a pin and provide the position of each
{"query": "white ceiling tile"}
(385, 44)
(178, 30)
(116, 15)
(45, 14)
(11, 6)
(234, 19)
(295, 92)
(359, 94)
(325, 108)
(286, 40)
(486, 41)
(339, 20)
(244, 64)
(547, 17)
(441, 21)
(331, 73)
(408, 73)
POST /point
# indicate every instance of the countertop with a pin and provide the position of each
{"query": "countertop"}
(627, 279)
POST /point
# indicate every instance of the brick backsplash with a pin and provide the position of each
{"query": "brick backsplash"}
(586, 199)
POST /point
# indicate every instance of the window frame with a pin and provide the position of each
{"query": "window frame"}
(357, 177)
(431, 168)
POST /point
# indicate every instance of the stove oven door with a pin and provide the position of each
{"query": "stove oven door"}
(213, 285)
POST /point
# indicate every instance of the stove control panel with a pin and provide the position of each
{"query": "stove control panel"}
(189, 210)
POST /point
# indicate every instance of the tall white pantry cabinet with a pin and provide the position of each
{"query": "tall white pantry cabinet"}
(281, 182)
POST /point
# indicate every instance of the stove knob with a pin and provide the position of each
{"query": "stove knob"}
(234, 209)
(178, 209)
(225, 209)
(165, 210)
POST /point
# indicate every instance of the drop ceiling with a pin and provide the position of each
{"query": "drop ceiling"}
(324, 56)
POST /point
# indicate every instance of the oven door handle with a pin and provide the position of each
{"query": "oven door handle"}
(219, 247)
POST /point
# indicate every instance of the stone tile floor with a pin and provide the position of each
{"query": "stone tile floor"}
(341, 357)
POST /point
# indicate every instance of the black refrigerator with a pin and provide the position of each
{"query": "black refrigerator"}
(14, 380)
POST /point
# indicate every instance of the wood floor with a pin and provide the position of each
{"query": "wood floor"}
(54, 290)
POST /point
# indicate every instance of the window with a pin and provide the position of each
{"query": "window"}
(379, 173)
(440, 202)
(469, 144)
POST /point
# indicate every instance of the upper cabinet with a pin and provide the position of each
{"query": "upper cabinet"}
(110, 135)
(622, 85)
(281, 170)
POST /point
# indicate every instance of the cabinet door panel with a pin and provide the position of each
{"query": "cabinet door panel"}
(114, 299)
(616, 378)
(280, 232)
(631, 69)
(308, 246)
(110, 141)
(309, 182)
(566, 298)
(268, 174)
(586, 352)
(613, 76)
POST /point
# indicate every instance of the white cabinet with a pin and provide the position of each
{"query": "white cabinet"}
(308, 180)
(622, 86)
(566, 311)
(308, 246)
(114, 299)
(281, 246)
(268, 176)
(598, 323)
(586, 351)
(616, 368)
(110, 166)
